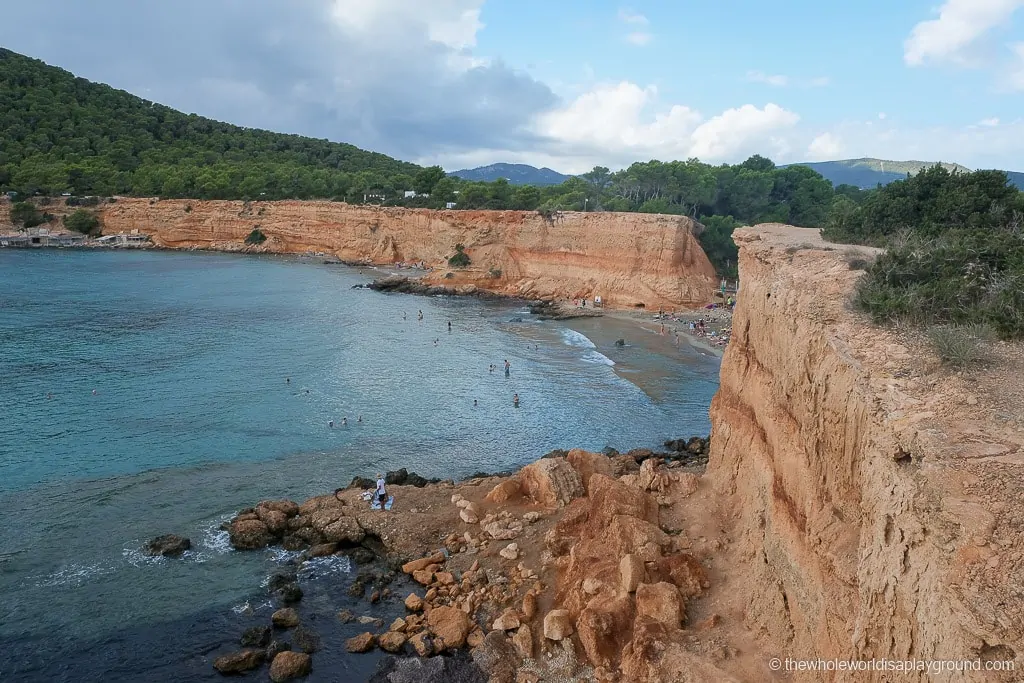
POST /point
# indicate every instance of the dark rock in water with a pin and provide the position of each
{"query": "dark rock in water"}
(289, 594)
(281, 578)
(416, 480)
(289, 665)
(294, 542)
(257, 636)
(640, 454)
(357, 589)
(362, 483)
(249, 534)
(361, 555)
(276, 647)
(557, 453)
(695, 445)
(169, 545)
(374, 597)
(458, 668)
(620, 342)
(237, 662)
(358, 287)
(285, 617)
(345, 616)
(322, 550)
(515, 320)
(364, 642)
(306, 639)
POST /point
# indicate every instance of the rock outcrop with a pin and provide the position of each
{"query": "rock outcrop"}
(874, 508)
(628, 259)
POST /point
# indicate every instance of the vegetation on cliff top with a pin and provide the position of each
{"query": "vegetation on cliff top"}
(954, 250)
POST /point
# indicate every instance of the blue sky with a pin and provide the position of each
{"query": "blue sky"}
(573, 83)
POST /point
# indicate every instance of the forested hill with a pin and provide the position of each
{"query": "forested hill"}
(62, 133)
(516, 174)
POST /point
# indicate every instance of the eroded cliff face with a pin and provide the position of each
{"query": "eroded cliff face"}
(626, 258)
(872, 498)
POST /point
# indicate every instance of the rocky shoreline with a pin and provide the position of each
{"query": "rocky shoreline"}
(568, 568)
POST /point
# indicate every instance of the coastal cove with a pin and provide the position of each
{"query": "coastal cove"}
(193, 418)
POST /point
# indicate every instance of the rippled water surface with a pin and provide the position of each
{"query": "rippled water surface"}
(147, 392)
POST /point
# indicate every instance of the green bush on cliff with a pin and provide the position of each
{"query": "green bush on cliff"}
(460, 259)
(82, 221)
(256, 237)
(26, 215)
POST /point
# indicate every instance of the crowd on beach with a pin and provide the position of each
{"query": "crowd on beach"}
(713, 324)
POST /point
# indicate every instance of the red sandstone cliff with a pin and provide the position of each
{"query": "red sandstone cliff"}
(625, 258)
(872, 497)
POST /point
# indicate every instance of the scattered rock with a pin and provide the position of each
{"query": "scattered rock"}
(508, 620)
(361, 555)
(529, 606)
(497, 657)
(504, 492)
(249, 534)
(306, 640)
(660, 602)
(468, 516)
(422, 644)
(510, 552)
(322, 550)
(632, 572)
(286, 617)
(532, 517)
(422, 563)
(256, 636)
(290, 593)
(557, 624)
(449, 624)
(423, 576)
(169, 545)
(289, 665)
(238, 662)
(345, 616)
(398, 625)
(523, 641)
(361, 643)
(392, 641)
(414, 603)
(275, 647)
(591, 585)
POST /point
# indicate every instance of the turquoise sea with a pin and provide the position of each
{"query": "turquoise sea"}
(146, 392)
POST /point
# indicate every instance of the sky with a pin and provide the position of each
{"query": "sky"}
(569, 84)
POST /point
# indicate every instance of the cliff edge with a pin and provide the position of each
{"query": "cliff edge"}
(627, 259)
(872, 498)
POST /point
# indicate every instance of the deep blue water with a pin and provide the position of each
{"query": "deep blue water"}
(192, 418)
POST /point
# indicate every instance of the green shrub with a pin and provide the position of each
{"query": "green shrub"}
(188, 208)
(961, 346)
(82, 221)
(460, 259)
(494, 272)
(256, 237)
(26, 215)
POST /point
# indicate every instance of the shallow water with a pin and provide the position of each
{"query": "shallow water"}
(192, 418)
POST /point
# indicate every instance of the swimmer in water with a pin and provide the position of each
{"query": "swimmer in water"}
(360, 419)
(508, 366)
(93, 392)
(49, 395)
(421, 315)
(344, 422)
(403, 315)
(287, 380)
(435, 342)
(474, 402)
(515, 400)
(307, 391)
(331, 424)
(449, 325)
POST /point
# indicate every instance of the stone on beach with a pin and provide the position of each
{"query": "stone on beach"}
(364, 642)
(450, 625)
(551, 482)
(286, 617)
(289, 665)
(557, 624)
(392, 641)
(238, 662)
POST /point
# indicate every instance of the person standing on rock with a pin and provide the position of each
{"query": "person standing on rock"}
(382, 492)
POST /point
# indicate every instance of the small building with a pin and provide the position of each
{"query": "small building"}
(409, 194)
(449, 205)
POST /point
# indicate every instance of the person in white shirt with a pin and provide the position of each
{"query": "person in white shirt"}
(382, 493)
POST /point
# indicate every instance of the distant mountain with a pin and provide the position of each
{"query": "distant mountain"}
(867, 173)
(516, 174)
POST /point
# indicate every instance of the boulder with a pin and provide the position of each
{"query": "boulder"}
(610, 498)
(508, 620)
(423, 576)
(168, 545)
(345, 616)
(529, 606)
(256, 636)
(414, 603)
(504, 491)
(685, 572)
(587, 464)
(591, 585)
(277, 522)
(306, 640)
(468, 516)
(444, 578)
(422, 644)
(497, 657)
(632, 572)
(422, 563)
(660, 602)
(392, 641)
(551, 482)
(289, 594)
(532, 517)
(238, 662)
(396, 478)
(287, 507)
(626, 535)
(249, 534)
(364, 642)
(510, 552)
(343, 530)
(557, 624)
(450, 624)
(603, 628)
(286, 617)
(523, 641)
(398, 625)
(289, 665)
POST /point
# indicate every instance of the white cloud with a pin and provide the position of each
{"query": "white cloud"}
(639, 38)
(825, 147)
(958, 27)
(453, 23)
(990, 123)
(628, 16)
(761, 77)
